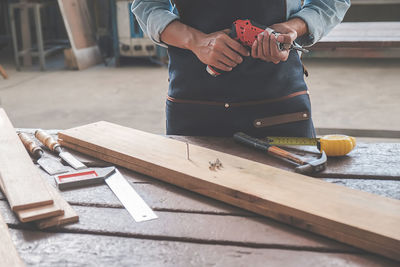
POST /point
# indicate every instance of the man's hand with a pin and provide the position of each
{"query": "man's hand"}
(219, 50)
(265, 46)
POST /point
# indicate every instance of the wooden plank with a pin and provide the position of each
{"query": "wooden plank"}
(366, 161)
(363, 34)
(327, 209)
(85, 52)
(69, 215)
(23, 186)
(8, 254)
(82, 249)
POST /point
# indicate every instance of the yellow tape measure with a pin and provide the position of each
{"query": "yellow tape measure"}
(334, 145)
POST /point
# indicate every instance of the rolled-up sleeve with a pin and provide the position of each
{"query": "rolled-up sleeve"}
(153, 17)
(321, 17)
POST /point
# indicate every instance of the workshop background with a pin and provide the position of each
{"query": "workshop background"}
(353, 78)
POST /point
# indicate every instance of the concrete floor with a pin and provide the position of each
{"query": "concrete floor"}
(362, 94)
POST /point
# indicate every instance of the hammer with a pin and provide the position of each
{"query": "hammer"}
(304, 167)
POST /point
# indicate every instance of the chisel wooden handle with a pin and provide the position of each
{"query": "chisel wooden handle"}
(30, 145)
(47, 140)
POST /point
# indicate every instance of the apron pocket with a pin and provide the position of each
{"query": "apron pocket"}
(281, 119)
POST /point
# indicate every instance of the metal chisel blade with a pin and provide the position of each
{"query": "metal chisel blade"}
(51, 166)
(131, 200)
(71, 160)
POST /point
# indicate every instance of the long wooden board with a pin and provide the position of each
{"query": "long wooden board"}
(84, 50)
(8, 254)
(22, 183)
(357, 218)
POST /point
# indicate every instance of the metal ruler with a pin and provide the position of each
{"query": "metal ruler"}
(292, 141)
(129, 198)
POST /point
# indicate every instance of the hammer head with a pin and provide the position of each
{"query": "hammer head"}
(314, 166)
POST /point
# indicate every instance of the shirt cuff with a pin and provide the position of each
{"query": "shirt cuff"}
(314, 24)
(158, 20)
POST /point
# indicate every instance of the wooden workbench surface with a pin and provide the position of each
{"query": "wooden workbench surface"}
(193, 230)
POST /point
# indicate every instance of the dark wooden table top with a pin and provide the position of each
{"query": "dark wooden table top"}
(193, 230)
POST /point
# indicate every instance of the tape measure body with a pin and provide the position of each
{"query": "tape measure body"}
(333, 145)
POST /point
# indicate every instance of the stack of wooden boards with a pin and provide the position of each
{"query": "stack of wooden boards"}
(361, 219)
(29, 195)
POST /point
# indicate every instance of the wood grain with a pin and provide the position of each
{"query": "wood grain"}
(23, 186)
(327, 209)
(37, 213)
(69, 215)
(8, 254)
(77, 21)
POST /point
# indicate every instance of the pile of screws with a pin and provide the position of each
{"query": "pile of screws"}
(215, 165)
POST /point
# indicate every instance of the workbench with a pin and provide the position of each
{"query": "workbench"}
(193, 230)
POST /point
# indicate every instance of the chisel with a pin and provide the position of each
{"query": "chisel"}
(54, 146)
(51, 166)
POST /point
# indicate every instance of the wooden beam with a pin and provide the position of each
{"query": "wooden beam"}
(3, 72)
(84, 50)
(22, 183)
(8, 254)
(357, 218)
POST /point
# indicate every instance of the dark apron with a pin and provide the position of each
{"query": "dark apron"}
(257, 97)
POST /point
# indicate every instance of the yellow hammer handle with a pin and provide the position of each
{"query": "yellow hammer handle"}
(337, 145)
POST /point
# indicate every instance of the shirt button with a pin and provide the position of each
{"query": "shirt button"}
(226, 105)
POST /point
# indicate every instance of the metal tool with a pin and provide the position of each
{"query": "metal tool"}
(304, 166)
(245, 31)
(82, 178)
(54, 146)
(333, 145)
(284, 46)
(131, 200)
(50, 165)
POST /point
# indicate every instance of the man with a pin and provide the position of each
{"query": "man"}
(262, 91)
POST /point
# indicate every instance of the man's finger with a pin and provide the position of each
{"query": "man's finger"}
(286, 38)
(254, 49)
(274, 49)
(227, 61)
(232, 55)
(219, 65)
(260, 46)
(276, 54)
(235, 46)
(266, 45)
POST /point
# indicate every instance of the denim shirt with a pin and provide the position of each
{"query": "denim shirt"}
(321, 16)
